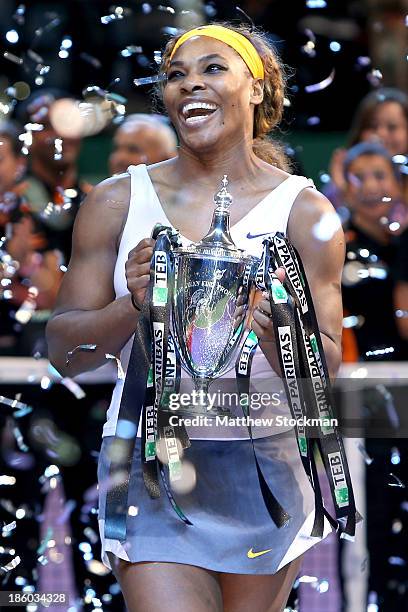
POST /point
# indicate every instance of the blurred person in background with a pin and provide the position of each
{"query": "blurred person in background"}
(33, 263)
(382, 116)
(372, 182)
(142, 139)
(370, 333)
(401, 289)
(54, 188)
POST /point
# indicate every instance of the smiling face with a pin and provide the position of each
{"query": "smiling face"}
(371, 183)
(389, 125)
(210, 95)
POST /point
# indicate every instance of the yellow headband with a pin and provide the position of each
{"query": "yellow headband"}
(237, 41)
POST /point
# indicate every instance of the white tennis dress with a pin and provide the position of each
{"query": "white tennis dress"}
(225, 505)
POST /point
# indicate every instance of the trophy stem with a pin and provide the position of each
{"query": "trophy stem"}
(201, 385)
(204, 406)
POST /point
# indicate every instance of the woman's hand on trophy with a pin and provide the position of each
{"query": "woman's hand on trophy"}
(262, 323)
(138, 269)
(240, 309)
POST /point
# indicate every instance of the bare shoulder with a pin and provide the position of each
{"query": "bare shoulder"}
(315, 230)
(104, 210)
(112, 193)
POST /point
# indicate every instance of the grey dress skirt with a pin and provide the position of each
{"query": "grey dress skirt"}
(230, 521)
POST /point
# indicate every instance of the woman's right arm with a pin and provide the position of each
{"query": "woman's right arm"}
(87, 311)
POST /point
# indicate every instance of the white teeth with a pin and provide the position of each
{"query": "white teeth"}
(194, 105)
(197, 119)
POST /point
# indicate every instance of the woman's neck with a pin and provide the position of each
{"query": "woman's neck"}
(239, 163)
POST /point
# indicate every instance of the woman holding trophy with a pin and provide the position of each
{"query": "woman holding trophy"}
(223, 89)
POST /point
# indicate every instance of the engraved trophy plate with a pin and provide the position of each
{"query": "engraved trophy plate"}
(213, 289)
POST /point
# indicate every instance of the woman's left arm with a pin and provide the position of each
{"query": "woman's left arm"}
(323, 259)
(323, 262)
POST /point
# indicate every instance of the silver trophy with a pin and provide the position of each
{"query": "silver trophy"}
(213, 290)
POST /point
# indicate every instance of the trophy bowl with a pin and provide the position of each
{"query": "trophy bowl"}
(213, 290)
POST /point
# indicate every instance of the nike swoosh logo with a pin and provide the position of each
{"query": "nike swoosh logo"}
(250, 236)
(251, 554)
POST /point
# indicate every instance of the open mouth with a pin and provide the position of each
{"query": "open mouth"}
(197, 112)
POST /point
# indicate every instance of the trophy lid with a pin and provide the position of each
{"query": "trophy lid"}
(218, 236)
(223, 199)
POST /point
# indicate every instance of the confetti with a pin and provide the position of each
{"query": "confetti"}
(125, 429)
(7, 480)
(322, 84)
(12, 37)
(42, 69)
(308, 579)
(121, 373)
(58, 149)
(44, 543)
(9, 527)
(166, 9)
(400, 159)
(171, 31)
(335, 46)
(326, 227)
(363, 60)
(73, 386)
(91, 535)
(375, 77)
(118, 13)
(309, 47)
(12, 58)
(35, 57)
(90, 59)
(10, 566)
(368, 460)
(382, 351)
(49, 26)
(27, 139)
(397, 482)
(157, 78)
(396, 561)
(14, 403)
(210, 10)
(25, 312)
(19, 439)
(316, 4)
(49, 472)
(396, 526)
(130, 50)
(80, 348)
(395, 456)
(19, 15)
(353, 321)
(99, 569)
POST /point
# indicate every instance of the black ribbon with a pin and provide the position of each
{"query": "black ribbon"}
(318, 387)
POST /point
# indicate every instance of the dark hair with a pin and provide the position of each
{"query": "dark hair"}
(368, 148)
(363, 119)
(11, 130)
(268, 114)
